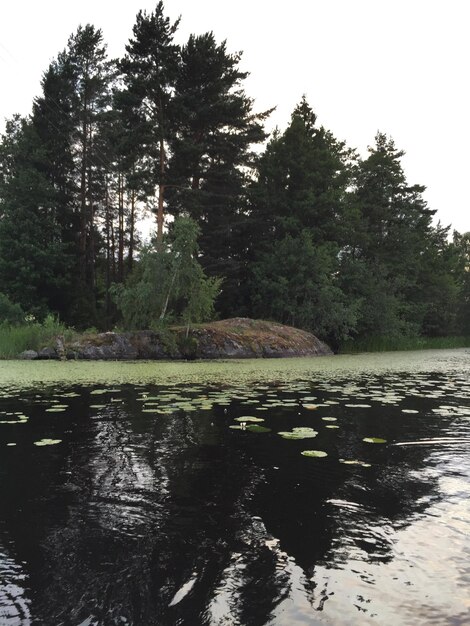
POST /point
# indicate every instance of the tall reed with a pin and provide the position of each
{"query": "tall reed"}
(390, 344)
(14, 339)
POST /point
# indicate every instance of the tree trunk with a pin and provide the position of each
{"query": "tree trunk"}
(108, 252)
(161, 189)
(131, 232)
(83, 205)
(121, 228)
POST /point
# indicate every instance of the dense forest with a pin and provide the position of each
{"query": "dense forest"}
(294, 227)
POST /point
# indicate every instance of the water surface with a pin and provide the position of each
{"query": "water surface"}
(127, 497)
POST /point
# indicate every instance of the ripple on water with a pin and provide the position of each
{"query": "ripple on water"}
(152, 489)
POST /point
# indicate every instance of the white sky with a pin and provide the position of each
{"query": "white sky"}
(398, 66)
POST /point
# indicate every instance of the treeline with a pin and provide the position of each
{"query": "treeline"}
(299, 230)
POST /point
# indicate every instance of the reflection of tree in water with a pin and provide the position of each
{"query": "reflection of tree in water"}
(14, 606)
(172, 520)
(147, 512)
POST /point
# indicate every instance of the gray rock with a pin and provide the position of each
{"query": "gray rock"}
(47, 353)
(236, 338)
(28, 355)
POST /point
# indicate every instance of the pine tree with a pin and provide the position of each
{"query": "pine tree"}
(148, 73)
(69, 117)
(215, 129)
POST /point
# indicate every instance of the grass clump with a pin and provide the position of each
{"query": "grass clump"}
(30, 335)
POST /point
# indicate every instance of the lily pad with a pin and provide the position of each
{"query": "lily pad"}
(47, 442)
(314, 453)
(301, 432)
(329, 419)
(310, 407)
(374, 440)
(354, 462)
(255, 428)
(249, 418)
(331, 426)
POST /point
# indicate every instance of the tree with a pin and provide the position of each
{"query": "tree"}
(10, 313)
(214, 131)
(169, 285)
(386, 264)
(33, 258)
(302, 180)
(296, 211)
(295, 283)
(69, 118)
(461, 247)
(148, 72)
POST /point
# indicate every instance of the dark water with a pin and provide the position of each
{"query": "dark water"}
(146, 508)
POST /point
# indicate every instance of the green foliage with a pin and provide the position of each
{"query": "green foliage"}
(461, 250)
(32, 255)
(395, 265)
(140, 300)
(301, 183)
(169, 285)
(211, 150)
(32, 335)
(10, 313)
(296, 285)
(305, 233)
(167, 338)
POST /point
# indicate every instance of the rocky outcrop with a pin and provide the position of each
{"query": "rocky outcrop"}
(247, 338)
(234, 338)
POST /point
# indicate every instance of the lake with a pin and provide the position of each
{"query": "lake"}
(163, 494)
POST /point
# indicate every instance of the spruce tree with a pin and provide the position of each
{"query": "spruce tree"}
(383, 265)
(297, 205)
(33, 258)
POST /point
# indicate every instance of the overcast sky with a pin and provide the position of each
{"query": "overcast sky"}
(398, 66)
